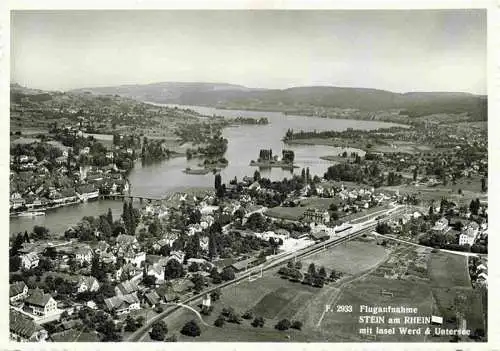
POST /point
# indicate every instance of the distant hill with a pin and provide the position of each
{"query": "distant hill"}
(236, 96)
(167, 92)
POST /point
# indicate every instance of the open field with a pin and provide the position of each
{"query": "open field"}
(434, 291)
(401, 146)
(288, 213)
(448, 270)
(395, 146)
(368, 292)
(427, 194)
(351, 258)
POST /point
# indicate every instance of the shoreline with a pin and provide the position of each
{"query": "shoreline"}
(273, 165)
(328, 142)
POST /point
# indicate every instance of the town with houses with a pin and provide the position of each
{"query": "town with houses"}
(217, 212)
(106, 275)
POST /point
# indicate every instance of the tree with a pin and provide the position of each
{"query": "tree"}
(40, 232)
(215, 275)
(219, 322)
(199, 282)
(194, 267)
(51, 252)
(218, 181)
(131, 325)
(312, 269)
(109, 217)
(227, 274)
(258, 322)
(17, 245)
(193, 247)
(159, 331)
(97, 269)
(165, 250)
(191, 328)
(283, 324)
(109, 331)
(149, 281)
(256, 176)
(322, 272)
(296, 325)
(247, 315)
(383, 228)
(173, 270)
(212, 244)
(484, 186)
(474, 206)
(298, 265)
(105, 228)
(233, 317)
(221, 192)
(14, 263)
(215, 295)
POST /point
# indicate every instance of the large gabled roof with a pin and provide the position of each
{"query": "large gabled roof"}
(22, 325)
(38, 298)
(16, 288)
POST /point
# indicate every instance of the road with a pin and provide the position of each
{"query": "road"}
(427, 247)
(358, 229)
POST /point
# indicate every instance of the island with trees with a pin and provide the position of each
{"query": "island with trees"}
(268, 160)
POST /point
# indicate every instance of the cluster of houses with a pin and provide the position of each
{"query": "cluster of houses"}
(33, 186)
(40, 194)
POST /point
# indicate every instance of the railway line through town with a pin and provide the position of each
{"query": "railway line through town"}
(365, 228)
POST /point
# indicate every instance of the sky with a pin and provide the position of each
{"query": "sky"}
(395, 50)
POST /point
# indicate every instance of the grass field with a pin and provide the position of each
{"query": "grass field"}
(447, 270)
(452, 291)
(288, 213)
(368, 292)
(402, 146)
(426, 194)
(351, 258)
(274, 298)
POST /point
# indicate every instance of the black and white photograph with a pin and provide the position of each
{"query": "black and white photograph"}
(248, 175)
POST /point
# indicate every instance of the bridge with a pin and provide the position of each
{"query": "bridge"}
(172, 195)
(141, 198)
(124, 197)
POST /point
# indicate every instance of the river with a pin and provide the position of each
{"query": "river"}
(244, 143)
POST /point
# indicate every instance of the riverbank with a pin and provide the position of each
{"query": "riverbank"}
(198, 171)
(331, 142)
(391, 146)
(357, 116)
(334, 158)
(276, 164)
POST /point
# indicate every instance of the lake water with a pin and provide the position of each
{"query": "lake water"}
(244, 143)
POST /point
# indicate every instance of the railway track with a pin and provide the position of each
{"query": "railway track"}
(300, 254)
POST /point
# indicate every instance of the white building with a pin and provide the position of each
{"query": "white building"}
(30, 260)
(469, 234)
(123, 304)
(18, 291)
(135, 258)
(83, 254)
(87, 284)
(41, 304)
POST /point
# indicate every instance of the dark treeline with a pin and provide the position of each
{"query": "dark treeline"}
(349, 133)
